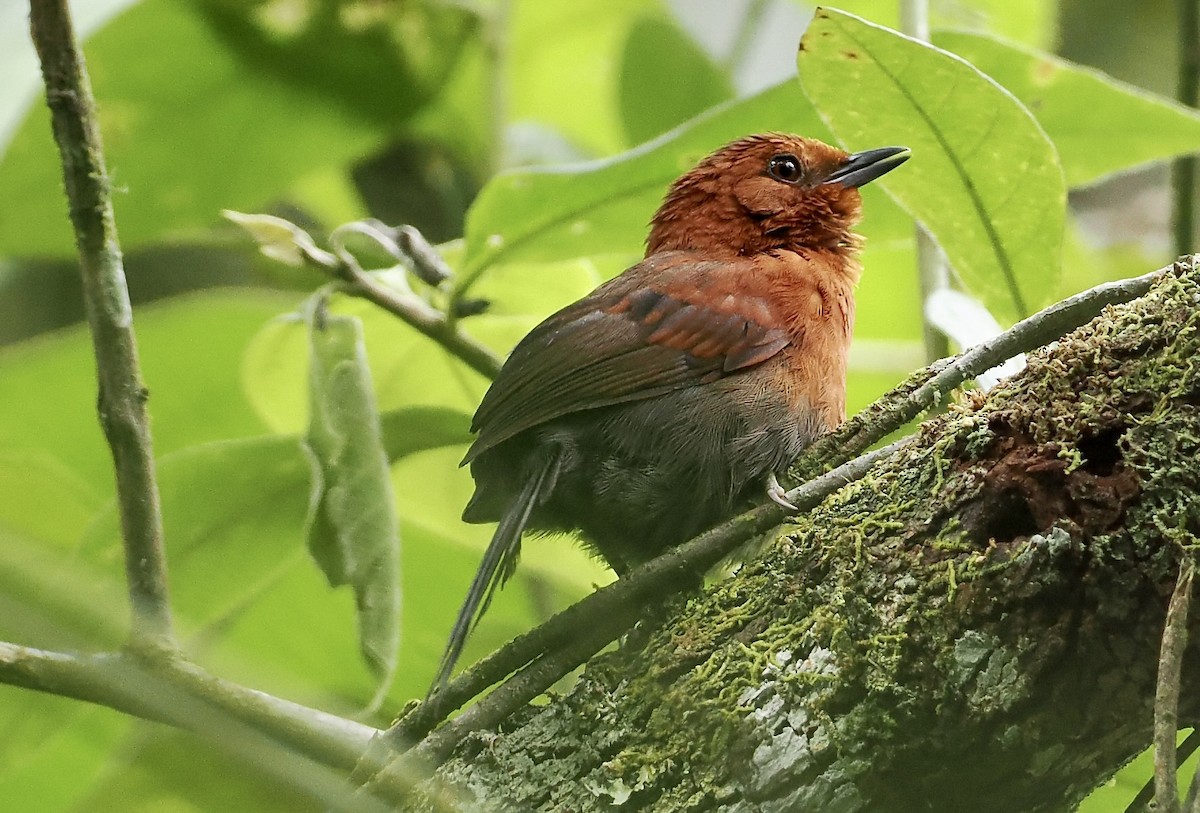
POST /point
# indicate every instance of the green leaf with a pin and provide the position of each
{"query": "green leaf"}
(281, 240)
(560, 72)
(666, 78)
(20, 77)
(176, 133)
(53, 749)
(352, 529)
(604, 207)
(984, 178)
(190, 348)
(418, 429)
(1082, 108)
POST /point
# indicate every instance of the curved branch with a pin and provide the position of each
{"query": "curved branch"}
(170, 691)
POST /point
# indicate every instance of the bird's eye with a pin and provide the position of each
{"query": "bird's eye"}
(784, 168)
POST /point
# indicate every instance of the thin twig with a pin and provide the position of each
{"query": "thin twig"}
(933, 275)
(1183, 178)
(122, 396)
(496, 33)
(426, 319)
(1166, 692)
(402, 302)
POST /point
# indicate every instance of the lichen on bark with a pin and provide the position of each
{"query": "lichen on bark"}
(972, 626)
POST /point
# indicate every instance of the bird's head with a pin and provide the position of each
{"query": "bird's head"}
(767, 192)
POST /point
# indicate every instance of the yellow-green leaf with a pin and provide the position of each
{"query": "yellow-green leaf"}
(352, 528)
(984, 177)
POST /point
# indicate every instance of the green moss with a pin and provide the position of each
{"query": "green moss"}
(873, 612)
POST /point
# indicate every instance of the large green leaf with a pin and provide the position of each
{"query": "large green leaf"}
(1099, 124)
(352, 531)
(604, 207)
(190, 349)
(20, 76)
(188, 129)
(54, 747)
(666, 78)
(560, 70)
(984, 177)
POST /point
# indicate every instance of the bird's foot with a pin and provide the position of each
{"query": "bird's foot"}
(778, 493)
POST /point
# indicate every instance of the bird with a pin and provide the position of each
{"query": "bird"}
(655, 406)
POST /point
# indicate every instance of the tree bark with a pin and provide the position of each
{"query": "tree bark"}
(975, 626)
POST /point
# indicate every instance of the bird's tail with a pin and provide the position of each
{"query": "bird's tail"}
(499, 562)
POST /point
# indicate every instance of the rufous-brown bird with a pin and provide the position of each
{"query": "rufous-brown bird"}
(658, 404)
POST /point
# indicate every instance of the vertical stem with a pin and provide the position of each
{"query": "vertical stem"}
(744, 38)
(914, 18)
(496, 32)
(933, 275)
(1166, 693)
(1183, 178)
(122, 396)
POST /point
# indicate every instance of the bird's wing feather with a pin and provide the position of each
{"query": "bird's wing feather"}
(644, 334)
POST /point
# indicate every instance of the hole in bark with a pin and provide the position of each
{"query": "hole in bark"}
(1004, 516)
(1101, 453)
(1027, 489)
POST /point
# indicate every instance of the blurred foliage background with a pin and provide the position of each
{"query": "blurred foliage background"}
(327, 111)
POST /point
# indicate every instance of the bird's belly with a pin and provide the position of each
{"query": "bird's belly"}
(638, 478)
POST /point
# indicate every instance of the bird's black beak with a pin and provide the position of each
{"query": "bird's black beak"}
(864, 167)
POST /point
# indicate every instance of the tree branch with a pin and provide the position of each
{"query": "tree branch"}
(122, 396)
(181, 694)
(967, 628)
(605, 613)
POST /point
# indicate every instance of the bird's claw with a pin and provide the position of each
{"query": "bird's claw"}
(777, 493)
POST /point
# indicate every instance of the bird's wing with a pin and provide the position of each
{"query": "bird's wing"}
(663, 325)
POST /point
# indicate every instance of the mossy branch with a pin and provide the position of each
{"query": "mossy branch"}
(972, 626)
(606, 614)
(122, 395)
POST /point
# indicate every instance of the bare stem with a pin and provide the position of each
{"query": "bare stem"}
(496, 33)
(933, 276)
(1166, 693)
(1183, 178)
(122, 395)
